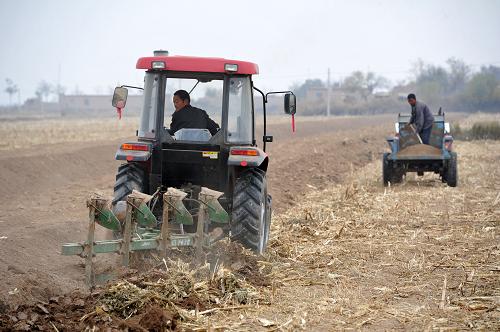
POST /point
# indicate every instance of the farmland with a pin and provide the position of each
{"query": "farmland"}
(344, 252)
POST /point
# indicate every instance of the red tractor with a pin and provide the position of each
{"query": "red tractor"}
(228, 161)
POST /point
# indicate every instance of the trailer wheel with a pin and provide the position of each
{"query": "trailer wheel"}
(389, 173)
(251, 215)
(443, 175)
(397, 175)
(451, 171)
(386, 169)
(130, 176)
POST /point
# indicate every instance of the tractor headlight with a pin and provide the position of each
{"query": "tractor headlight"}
(231, 67)
(158, 65)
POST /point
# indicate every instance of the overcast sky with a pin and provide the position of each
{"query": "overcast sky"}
(93, 45)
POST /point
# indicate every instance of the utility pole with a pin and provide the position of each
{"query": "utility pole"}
(328, 94)
(58, 89)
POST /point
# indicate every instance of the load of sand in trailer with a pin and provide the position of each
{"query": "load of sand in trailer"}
(419, 150)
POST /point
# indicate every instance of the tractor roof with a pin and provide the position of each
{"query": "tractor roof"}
(197, 64)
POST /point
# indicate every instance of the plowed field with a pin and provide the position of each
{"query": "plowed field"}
(344, 252)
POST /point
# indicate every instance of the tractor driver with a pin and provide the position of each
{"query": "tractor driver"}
(421, 118)
(187, 116)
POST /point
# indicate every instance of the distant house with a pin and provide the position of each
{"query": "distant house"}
(321, 93)
(382, 94)
(402, 96)
(74, 104)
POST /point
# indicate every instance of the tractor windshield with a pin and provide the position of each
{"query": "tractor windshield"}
(205, 93)
(239, 122)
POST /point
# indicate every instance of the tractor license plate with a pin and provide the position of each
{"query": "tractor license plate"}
(210, 154)
(181, 242)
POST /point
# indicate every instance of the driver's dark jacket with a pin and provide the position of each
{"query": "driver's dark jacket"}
(192, 117)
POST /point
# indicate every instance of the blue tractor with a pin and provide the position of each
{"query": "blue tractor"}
(408, 154)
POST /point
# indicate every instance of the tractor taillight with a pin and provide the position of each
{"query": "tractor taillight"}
(135, 147)
(244, 152)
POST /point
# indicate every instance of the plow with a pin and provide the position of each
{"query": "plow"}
(141, 231)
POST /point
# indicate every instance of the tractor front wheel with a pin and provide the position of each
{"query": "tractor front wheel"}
(251, 215)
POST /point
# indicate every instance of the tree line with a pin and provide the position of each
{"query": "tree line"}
(455, 87)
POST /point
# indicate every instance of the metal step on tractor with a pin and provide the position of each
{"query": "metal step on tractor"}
(408, 154)
(188, 188)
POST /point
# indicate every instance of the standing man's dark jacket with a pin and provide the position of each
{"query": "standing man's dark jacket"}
(421, 117)
(192, 117)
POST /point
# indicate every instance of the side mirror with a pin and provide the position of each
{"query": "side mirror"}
(120, 97)
(290, 104)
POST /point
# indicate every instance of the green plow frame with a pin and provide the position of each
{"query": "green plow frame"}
(138, 230)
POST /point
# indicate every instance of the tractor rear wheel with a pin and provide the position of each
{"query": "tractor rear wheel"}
(451, 171)
(251, 215)
(130, 176)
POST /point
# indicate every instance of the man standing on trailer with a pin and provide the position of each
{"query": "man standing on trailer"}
(421, 118)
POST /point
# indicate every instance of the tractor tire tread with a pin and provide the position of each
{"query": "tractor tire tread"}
(129, 177)
(249, 193)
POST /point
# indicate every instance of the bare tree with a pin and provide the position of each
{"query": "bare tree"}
(11, 89)
(354, 82)
(77, 91)
(44, 90)
(60, 89)
(364, 83)
(458, 75)
(373, 81)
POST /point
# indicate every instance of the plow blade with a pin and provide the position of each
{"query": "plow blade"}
(216, 212)
(103, 214)
(174, 198)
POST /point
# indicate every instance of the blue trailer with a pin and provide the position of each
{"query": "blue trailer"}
(408, 154)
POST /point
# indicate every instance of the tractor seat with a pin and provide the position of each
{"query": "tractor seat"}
(191, 134)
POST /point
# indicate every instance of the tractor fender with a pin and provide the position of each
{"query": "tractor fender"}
(134, 151)
(248, 156)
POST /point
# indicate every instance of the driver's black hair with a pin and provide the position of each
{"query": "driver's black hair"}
(410, 96)
(183, 94)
